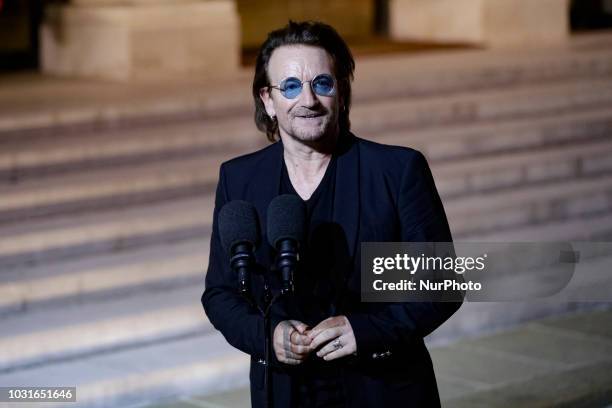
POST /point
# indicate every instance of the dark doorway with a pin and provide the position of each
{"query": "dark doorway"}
(364, 24)
(19, 23)
(590, 15)
(381, 17)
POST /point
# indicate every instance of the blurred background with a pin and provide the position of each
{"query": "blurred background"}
(115, 116)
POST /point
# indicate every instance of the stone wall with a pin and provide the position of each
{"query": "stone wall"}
(490, 23)
(141, 40)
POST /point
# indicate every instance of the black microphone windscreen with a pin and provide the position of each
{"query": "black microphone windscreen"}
(286, 219)
(238, 222)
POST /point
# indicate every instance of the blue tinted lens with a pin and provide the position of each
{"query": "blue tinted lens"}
(291, 87)
(323, 85)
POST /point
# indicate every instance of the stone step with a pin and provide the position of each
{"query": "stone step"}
(469, 141)
(173, 178)
(587, 41)
(475, 70)
(379, 120)
(122, 147)
(95, 278)
(534, 101)
(502, 172)
(583, 57)
(112, 187)
(73, 236)
(109, 231)
(47, 103)
(130, 377)
(596, 227)
(530, 205)
(91, 328)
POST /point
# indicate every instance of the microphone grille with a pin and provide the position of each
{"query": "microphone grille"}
(286, 218)
(238, 222)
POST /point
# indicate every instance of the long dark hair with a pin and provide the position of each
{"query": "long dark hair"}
(304, 33)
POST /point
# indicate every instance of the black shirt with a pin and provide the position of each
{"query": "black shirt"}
(317, 285)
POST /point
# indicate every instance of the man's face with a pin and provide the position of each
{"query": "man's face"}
(308, 117)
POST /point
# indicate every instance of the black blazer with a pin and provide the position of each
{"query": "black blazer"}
(382, 193)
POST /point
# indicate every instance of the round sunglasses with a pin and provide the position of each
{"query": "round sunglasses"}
(322, 84)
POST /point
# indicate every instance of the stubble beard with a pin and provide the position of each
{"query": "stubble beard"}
(313, 134)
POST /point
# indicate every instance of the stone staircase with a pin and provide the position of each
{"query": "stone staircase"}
(105, 214)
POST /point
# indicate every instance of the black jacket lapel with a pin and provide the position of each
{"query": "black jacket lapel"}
(347, 195)
(266, 183)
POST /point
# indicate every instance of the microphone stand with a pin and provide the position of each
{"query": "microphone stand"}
(267, 300)
(287, 258)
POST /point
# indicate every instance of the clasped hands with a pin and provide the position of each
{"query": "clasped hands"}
(333, 338)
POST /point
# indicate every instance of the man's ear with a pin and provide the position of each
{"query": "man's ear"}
(266, 98)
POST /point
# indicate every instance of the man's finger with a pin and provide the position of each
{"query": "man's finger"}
(291, 333)
(288, 332)
(295, 356)
(290, 361)
(300, 339)
(300, 350)
(343, 346)
(324, 325)
(325, 336)
(299, 326)
(341, 352)
(286, 356)
(329, 347)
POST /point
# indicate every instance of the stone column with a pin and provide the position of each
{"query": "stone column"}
(491, 23)
(524, 23)
(141, 39)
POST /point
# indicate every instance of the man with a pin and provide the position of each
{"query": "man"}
(329, 349)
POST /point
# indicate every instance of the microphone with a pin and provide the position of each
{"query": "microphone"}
(239, 233)
(286, 224)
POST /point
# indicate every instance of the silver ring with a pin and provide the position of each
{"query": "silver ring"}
(337, 345)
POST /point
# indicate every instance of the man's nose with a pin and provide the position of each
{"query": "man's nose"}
(308, 97)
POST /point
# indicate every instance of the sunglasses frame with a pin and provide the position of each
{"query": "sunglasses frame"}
(282, 90)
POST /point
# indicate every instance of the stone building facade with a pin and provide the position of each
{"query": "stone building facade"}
(129, 39)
